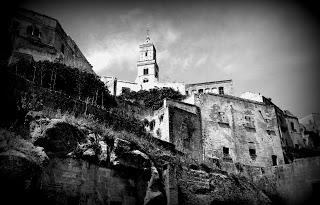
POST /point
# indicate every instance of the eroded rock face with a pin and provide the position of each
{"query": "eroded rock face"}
(82, 167)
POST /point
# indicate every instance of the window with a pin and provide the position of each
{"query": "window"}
(157, 74)
(152, 124)
(225, 151)
(158, 132)
(292, 126)
(145, 80)
(274, 160)
(145, 71)
(187, 92)
(247, 118)
(125, 90)
(200, 90)
(161, 118)
(221, 91)
(296, 146)
(146, 54)
(252, 153)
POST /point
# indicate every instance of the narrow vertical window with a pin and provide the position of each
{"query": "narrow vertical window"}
(274, 160)
(225, 151)
(221, 91)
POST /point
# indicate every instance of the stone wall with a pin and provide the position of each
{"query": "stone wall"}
(295, 183)
(239, 130)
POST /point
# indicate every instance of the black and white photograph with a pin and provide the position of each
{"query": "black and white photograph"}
(159, 102)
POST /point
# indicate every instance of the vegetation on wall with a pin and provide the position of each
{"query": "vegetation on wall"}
(71, 81)
(153, 98)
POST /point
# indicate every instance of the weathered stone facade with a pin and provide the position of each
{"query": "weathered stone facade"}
(215, 87)
(40, 37)
(295, 131)
(180, 124)
(239, 130)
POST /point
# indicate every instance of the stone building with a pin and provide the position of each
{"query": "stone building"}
(40, 37)
(311, 122)
(295, 131)
(147, 74)
(311, 129)
(180, 124)
(239, 130)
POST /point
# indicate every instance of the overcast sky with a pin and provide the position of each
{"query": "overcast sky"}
(263, 46)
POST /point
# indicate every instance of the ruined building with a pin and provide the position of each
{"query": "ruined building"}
(40, 37)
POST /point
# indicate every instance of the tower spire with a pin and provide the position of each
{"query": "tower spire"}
(148, 37)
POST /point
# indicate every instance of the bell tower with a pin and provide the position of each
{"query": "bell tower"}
(148, 70)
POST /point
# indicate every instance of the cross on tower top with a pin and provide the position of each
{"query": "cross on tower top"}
(148, 38)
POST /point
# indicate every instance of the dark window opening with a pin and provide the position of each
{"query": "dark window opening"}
(200, 90)
(152, 124)
(252, 153)
(161, 118)
(145, 71)
(247, 118)
(221, 91)
(274, 160)
(145, 80)
(125, 90)
(157, 74)
(158, 133)
(296, 146)
(62, 48)
(225, 150)
(146, 54)
(187, 92)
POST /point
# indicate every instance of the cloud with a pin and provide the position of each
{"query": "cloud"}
(118, 54)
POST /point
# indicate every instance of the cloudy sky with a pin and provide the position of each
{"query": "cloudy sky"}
(270, 47)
